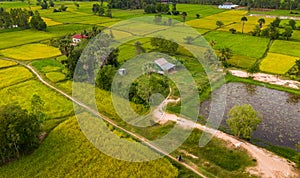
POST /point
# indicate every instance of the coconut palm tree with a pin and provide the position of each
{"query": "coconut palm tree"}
(261, 21)
(243, 19)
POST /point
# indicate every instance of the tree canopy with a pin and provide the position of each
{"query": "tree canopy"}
(242, 120)
(19, 129)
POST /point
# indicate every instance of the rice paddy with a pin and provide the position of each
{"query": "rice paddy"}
(277, 63)
(30, 52)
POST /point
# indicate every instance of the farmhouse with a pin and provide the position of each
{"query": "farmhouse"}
(228, 5)
(77, 38)
(164, 65)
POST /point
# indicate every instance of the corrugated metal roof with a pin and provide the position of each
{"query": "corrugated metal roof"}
(164, 64)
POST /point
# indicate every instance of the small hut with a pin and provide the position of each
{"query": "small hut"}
(164, 65)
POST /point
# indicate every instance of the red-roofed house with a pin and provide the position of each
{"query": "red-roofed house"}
(77, 38)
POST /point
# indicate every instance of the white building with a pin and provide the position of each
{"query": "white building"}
(228, 5)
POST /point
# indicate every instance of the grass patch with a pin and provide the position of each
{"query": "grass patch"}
(296, 36)
(241, 61)
(60, 30)
(209, 22)
(140, 28)
(216, 157)
(13, 75)
(243, 45)
(67, 153)
(289, 48)
(55, 76)
(46, 65)
(276, 12)
(5, 63)
(56, 105)
(50, 22)
(10, 39)
(31, 52)
(65, 86)
(118, 35)
(249, 25)
(13, 4)
(277, 63)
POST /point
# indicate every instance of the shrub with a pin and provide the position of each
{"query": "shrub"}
(232, 30)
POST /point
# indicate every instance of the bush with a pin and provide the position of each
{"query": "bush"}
(175, 12)
(232, 30)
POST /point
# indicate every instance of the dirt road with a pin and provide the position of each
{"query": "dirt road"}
(269, 165)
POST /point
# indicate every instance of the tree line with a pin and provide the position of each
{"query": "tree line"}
(21, 18)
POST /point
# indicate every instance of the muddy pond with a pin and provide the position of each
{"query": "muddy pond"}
(280, 110)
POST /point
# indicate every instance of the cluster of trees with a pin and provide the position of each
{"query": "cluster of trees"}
(37, 22)
(61, 8)
(15, 18)
(72, 52)
(272, 31)
(108, 70)
(20, 18)
(127, 4)
(141, 90)
(100, 10)
(45, 4)
(156, 8)
(20, 129)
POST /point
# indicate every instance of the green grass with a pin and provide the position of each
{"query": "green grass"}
(13, 4)
(209, 22)
(244, 45)
(65, 86)
(277, 12)
(193, 9)
(61, 30)
(10, 39)
(13, 75)
(216, 157)
(140, 28)
(296, 36)
(277, 63)
(31, 52)
(47, 65)
(4, 63)
(248, 26)
(56, 105)
(241, 61)
(67, 153)
(289, 48)
(55, 76)
(29, 36)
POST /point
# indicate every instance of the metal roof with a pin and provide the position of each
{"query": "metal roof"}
(164, 64)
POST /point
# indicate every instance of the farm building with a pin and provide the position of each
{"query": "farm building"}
(122, 71)
(228, 5)
(77, 38)
(164, 65)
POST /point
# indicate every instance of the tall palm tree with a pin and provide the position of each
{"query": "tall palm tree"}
(261, 21)
(243, 19)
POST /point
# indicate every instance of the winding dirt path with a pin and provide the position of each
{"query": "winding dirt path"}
(96, 113)
(269, 165)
